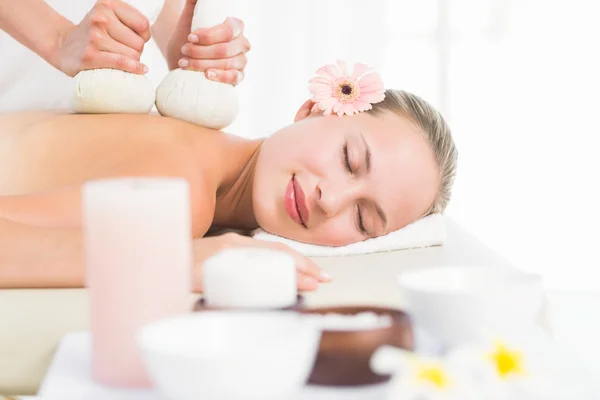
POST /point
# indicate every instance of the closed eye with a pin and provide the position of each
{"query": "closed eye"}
(346, 159)
(359, 219)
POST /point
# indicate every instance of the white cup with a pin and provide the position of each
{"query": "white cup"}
(458, 304)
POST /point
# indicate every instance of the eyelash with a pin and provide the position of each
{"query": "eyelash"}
(346, 159)
(360, 224)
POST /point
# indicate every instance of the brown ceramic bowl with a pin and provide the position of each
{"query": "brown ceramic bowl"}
(201, 305)
(344, 356)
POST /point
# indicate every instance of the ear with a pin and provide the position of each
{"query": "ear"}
(304, 111)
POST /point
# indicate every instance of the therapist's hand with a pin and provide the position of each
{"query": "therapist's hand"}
(219, 51)
(112, 35)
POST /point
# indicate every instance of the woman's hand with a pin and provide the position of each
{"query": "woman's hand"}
(309, 276)
(219, 51)
(112, 35)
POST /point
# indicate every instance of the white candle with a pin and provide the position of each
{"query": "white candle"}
(250, 278)
(352, 322)
(138, 255)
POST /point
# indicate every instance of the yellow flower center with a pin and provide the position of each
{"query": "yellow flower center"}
(433, 374)
(506, 361)
(346, 91)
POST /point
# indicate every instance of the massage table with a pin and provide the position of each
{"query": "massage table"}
(33, 321)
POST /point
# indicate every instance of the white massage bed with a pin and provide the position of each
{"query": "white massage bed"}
(32, 322)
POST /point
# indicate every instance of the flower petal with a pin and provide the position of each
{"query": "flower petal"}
(320, 79)
(329, 72)
(362, 105)
(343, 68)
(329, 102)
(370, 81)
(350, 109)
(358, 70)
(329, 95)
(322, 93)
(372, 97)
(317, 88)
(317, 98)
(321, 97)
(320, 86)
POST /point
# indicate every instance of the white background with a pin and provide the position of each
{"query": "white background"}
(518, 81)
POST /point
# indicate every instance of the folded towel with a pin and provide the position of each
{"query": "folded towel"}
(428, 231)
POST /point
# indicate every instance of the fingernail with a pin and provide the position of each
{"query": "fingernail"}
(146, 69)
(184, 62)
(324, 275)
(239, 78)
(193, 38)
(235, 26)
(212, 75)
(184, 50)
(310, 282)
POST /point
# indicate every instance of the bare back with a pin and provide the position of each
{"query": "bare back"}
(41, 151)
(46, 157)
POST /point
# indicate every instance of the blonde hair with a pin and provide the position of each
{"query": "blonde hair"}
(436, 131)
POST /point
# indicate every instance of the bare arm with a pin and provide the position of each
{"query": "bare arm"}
(60, 208)
(34, 24)
(90, 44)
(33, 257)
(41, 239)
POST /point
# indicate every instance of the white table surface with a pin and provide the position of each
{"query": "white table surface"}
(572, 313)
(36, 328)
(572, 323)
(69, 377)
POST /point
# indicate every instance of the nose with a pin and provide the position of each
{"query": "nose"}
(332, 197)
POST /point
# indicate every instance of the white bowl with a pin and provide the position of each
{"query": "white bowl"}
(230, 355)
(458, 304)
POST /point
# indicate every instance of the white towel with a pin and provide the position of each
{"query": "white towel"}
(428, 231)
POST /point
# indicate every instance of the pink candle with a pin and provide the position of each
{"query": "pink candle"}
(138, 254)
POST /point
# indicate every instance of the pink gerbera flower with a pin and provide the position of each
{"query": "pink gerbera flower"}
(336, 91)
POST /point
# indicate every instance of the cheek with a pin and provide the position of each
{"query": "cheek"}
(322, 159)
(338, 231)
(315, 147)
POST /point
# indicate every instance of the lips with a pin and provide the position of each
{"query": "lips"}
(301, 201)
(295, 202)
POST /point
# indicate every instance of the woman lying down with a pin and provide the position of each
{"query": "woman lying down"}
(324, 179)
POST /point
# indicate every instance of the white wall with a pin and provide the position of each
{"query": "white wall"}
(524, 106)
(518, 81)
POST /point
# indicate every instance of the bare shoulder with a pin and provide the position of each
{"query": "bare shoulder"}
(18, 121)
(52, 151)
